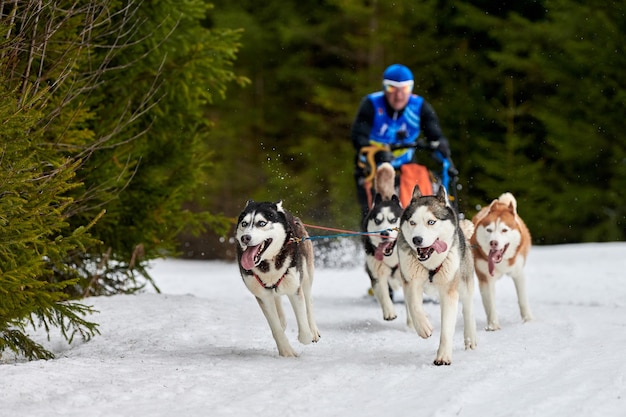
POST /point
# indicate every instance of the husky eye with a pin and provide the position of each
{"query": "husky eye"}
(244, 224)
(378, 221)
(393, 220)
(505, 230)
(431, 222)
(489, 230)
(412, 222)
(261, 223)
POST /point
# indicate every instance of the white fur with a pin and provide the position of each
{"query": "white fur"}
(386, 271)
(453, 282)
(296, 288)
(497, 234)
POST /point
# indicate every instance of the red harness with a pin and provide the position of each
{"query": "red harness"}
(431, 273)
(273, 287)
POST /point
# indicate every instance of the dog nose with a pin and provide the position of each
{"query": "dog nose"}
(417, 240)
(493, 244)
(245, 239)
(385, 233)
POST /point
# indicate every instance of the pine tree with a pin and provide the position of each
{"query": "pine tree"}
(35, 236)
(105, 137)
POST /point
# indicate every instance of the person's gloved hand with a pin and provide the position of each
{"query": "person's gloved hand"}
(382, 156)
(452, 169)
(442, 147)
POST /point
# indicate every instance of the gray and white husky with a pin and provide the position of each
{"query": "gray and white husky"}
(381, 227)
(435, 258)
(276, 258)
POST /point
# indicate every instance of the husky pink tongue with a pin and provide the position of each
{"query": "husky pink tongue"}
(247, 257)
(494, 257)
(439, 246)
(379, 253)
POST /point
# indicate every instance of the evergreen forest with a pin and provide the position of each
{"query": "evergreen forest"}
(133, 130)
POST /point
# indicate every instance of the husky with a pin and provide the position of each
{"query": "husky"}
(435, 258)
(500, 244)
(379, 241)
(275, 258)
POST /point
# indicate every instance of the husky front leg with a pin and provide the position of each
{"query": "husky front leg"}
(522, 298)
(308, 301)
(281, 313)
(381, 291)
(299, 308)
(449, 307)
(487, 288)
(378, 273)
(405, 291)
(268, 306)
(469, 322)
(415, 306)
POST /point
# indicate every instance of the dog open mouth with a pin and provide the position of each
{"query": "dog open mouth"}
(384, 248)
(251, 257)
(495, 257)
(424, 253)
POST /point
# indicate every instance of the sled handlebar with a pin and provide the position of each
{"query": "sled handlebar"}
(369, 154)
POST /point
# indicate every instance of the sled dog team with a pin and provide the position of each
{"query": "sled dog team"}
(423, 248)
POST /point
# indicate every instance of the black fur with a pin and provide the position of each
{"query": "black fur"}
(294, 229)
(379, 203)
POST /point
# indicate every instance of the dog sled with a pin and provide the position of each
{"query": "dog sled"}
(437, 172)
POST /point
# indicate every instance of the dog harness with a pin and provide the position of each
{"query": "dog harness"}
(432, 272)
(272, 287)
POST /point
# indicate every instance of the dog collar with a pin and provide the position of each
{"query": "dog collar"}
(431, 272)
(272, 287)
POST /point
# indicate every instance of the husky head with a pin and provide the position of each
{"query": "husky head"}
(262, 230)
(429, 224)
(382, 220)
(497, 230)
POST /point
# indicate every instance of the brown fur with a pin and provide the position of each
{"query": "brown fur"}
(385, 181)
(503, 213)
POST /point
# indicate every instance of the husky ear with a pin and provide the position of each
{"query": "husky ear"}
(417, 193)
(442, 195)
(279, 206)
(512, 208)
(493, 203)
(378, 199)
(395, 198)
(249, 202)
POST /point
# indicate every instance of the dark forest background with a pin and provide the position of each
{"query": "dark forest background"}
(531, 95)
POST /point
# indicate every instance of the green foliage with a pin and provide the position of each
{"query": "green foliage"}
(35, 236)
(528, 94)
(97, 175)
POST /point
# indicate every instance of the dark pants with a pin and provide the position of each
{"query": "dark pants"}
(361, 194)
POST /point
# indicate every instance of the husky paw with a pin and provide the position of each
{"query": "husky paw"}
(527, 318)
(390, 316)
(492, 327)
(287, 352)
(470, 343)
(442, 361)
(424, 328)
(316, 335)
(305, 338)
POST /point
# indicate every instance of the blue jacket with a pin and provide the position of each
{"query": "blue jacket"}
(398, 129)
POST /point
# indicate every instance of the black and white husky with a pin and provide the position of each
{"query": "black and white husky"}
(276, 258)
(381, 227)
(435, 258)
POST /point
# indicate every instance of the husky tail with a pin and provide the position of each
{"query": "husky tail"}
(385, 181)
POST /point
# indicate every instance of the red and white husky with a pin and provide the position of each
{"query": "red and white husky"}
(500, 243)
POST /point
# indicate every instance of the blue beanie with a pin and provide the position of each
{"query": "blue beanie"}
(398, 73)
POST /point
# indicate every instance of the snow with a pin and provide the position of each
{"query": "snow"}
(203, 348)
